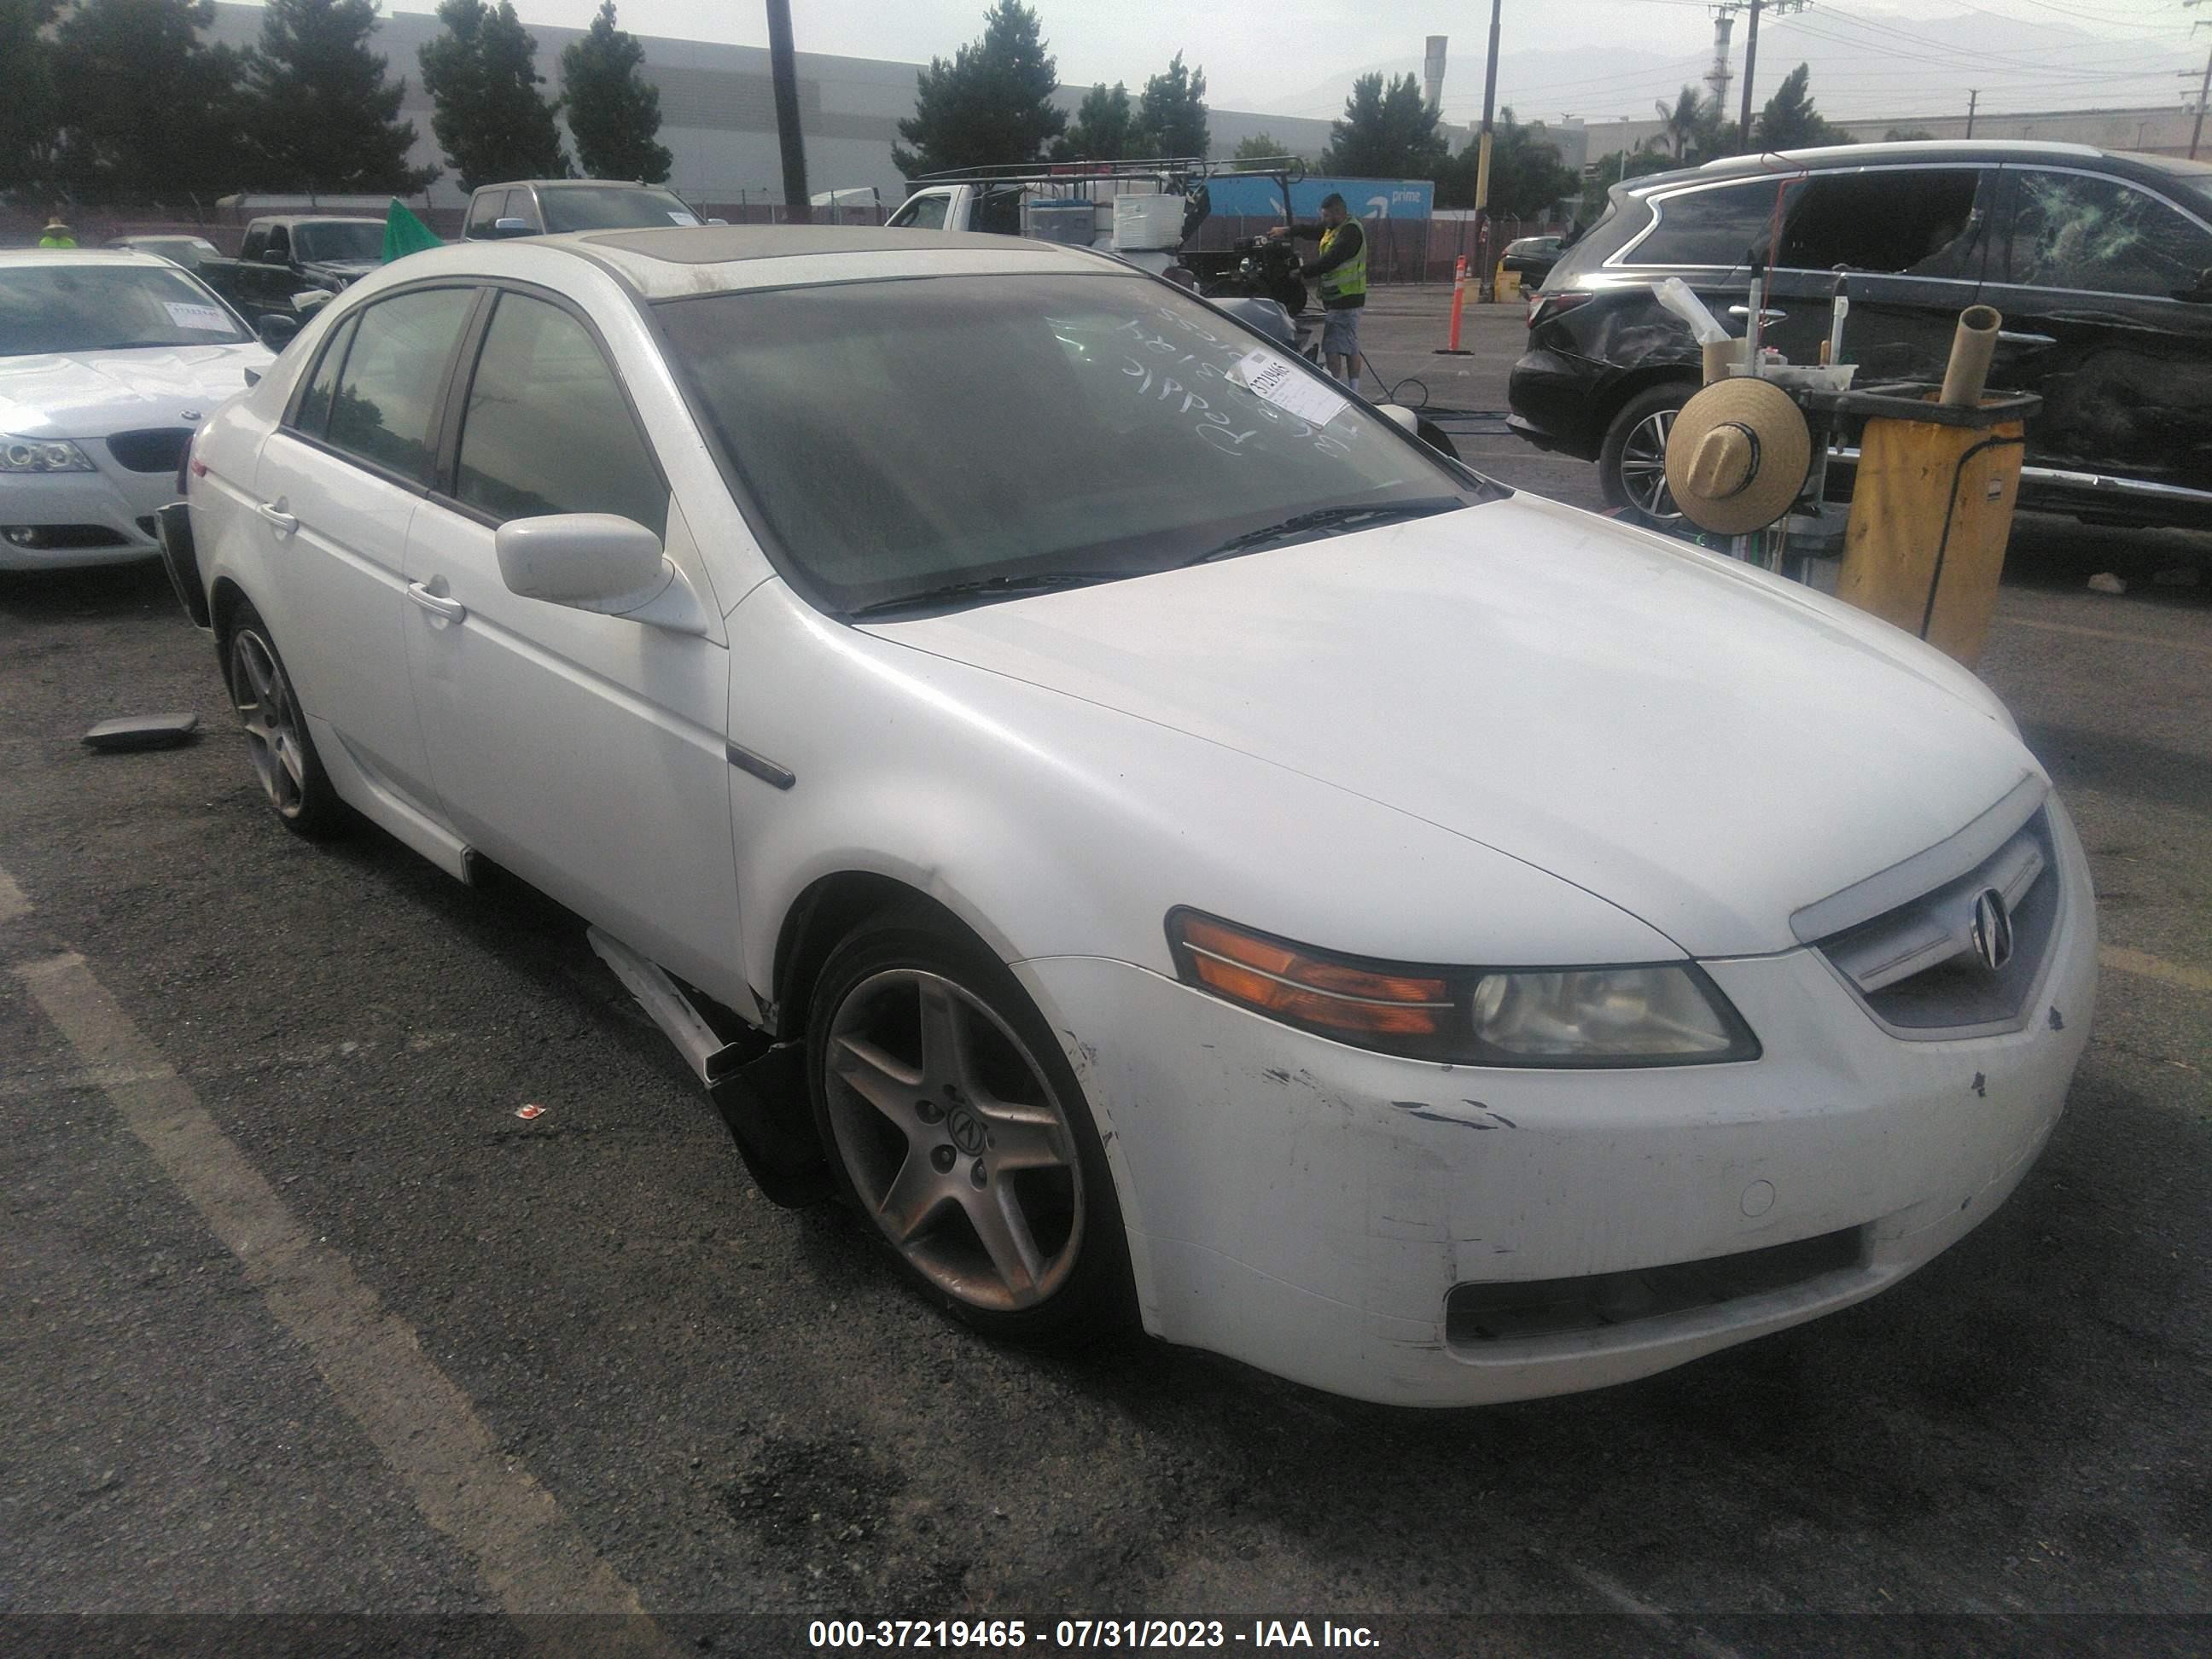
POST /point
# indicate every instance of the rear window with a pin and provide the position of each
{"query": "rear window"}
(1711, 227)
(614, 208)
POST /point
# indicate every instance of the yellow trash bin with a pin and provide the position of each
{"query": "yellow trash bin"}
(1931, 511)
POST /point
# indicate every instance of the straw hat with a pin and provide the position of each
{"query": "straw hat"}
(1736, 456)
(57, 224)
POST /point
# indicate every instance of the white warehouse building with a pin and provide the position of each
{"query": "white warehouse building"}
(718, 111)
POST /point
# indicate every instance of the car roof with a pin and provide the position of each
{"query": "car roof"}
(575, 183)
(1905, 149)
(712, 259)
(310, 219)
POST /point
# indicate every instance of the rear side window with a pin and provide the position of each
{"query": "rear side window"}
(393, 373)
(547, 429)
(1919, 222)
(314, 410)
(2071, 230)
(484, 212)
(1708, 227)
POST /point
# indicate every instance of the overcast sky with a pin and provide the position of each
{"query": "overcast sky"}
(1296, 55)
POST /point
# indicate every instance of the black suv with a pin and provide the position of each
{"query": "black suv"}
(2101, 262)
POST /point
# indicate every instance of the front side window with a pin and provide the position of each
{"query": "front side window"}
(547, 429)
(904, 438)
(1917, 222)
(280, 242)
(1709, 227)
(2072, 230)
(393, 376)
(87, 307)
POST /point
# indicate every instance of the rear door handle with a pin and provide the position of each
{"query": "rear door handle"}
(276, 518)
(2033, 341)
(1764, 316)
(436, 604)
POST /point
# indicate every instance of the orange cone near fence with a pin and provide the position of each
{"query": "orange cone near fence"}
(1451, 348)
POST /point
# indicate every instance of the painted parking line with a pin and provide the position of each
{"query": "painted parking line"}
(2154, 640)
(537, 1565)
(2121, 960)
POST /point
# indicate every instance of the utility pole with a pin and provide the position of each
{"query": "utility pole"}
(783, 71)
(1973, 97)
(1751, 55)
(1487, 288)
(2203, 87)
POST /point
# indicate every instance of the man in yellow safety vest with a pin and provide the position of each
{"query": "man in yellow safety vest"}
(1340, 268)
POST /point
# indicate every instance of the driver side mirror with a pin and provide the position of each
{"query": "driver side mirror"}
(276, 331)
(275, 256)
(1428, 432)
(510, 227)
(598, 562)
(2200, 292)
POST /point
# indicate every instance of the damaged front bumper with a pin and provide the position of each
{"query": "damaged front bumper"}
(1420, 1233)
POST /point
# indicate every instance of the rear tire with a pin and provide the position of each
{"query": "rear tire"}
(957, 1128)
(1631, 466)
(283, 754)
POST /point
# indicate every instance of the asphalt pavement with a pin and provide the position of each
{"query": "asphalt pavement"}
(303, 1319)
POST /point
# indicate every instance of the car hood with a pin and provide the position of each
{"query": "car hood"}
(89, 394)
(1703, 745)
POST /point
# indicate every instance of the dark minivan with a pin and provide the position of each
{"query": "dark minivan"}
(2100, 260)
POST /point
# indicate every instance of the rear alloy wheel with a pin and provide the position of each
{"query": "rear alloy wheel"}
(277, 739)
(961, 1136)
(1632, 465)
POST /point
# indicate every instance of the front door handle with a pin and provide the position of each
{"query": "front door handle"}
(437, 604)
(1765, 315)
(2032, 341)
(276, 518)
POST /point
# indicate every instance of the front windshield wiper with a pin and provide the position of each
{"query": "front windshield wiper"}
(991, 587)
(1334, 519)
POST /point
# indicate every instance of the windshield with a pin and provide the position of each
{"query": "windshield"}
(906, 437)
(339, 239)
(74, 307)
(614, 207)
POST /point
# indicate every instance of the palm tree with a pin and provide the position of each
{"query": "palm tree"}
(1679, 122)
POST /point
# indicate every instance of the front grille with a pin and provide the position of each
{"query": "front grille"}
(154, 449)
(1918, 968)
(1478, 1314)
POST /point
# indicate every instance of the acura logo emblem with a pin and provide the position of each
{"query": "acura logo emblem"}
(1993, 932)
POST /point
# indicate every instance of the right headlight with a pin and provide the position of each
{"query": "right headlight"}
(42, 455)
(1642, 1014)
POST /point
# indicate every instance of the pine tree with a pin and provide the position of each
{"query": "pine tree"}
(991, 105)
(1790, 122)
(1386, 132)
(1526, 174)
(147, 112)
(481, 75)
(1171, 115)
(613, 110)
(28, 117)
(321, 114)
(1263, 147)
(1104, 127)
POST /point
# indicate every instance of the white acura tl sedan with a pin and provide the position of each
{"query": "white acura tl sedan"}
(108, 360)
(1158, 839)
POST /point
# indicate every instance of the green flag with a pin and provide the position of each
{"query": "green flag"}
(404, 234)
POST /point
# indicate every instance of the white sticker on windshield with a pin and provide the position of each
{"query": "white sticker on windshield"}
(683, 219)
(1277, 380)
(210, 318)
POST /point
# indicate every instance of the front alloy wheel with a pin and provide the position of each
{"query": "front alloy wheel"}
(954, 1140)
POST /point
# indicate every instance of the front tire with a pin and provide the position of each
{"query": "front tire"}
(283, 754)
(1631, 466)
(957, 1127)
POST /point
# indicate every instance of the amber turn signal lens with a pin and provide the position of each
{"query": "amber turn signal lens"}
(1290, 984)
